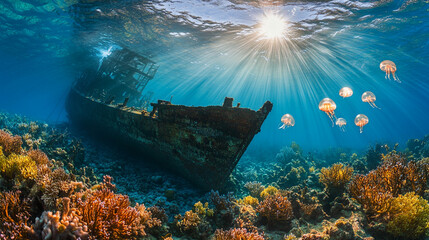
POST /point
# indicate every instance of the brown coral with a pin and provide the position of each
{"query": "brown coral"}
(10, 144)
(255, 188)
(193, 225)
(38, 156)
(275, 210)
(56, 185)
(335, 177)
(237, 234)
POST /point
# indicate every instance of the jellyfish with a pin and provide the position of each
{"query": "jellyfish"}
(361, 120)
(288, 121)
(328, 106)
(346, 92)
(390, 68)
(341, 122)
(369, 97)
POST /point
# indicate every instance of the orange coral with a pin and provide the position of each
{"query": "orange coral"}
(38, 156)
(275, 209)
(14, 216)
(395, 176)
(237, 234)
(109, 216)
(371, 192)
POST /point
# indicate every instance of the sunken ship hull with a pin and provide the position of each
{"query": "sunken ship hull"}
(202, 144)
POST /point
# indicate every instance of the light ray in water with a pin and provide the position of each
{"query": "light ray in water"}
(104, 54)
(291, 71)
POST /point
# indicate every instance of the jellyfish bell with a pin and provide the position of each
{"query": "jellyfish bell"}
(341, 123)
(328, 106)
(361, 120)
(370, 98)
(346, 92)
(390, 68)
(288, 121)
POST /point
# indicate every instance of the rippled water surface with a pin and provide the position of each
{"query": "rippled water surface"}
(207, 50)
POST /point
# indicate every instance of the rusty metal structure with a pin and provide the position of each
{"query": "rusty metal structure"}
(202, 144)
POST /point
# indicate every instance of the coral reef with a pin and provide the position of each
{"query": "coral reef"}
(249, 200)
(335, 178)
(254, 188)
(14, 216)
(276, 211)
(17, 167)
(409, 216)
(237, 234)
(10, 144)
(55, 226)
(193, 224)
(44, 195)
(394, 176)
(268, 191)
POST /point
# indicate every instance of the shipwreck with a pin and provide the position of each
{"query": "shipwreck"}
(202, 144)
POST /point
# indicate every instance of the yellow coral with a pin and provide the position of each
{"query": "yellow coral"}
(290, 237)
(203, 210)
(249, 200)
(269, 191)
(312, 169)
(17, 167)
(336, 176)
(189, 221)
(409, 216)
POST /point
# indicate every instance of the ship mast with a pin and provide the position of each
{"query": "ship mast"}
(122, 77)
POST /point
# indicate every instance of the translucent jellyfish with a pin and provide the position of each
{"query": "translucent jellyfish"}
(328, 106)
(390, 68)
(341, 122)
(346, 92)
(369, 97)
(361, 120)
(288, 121)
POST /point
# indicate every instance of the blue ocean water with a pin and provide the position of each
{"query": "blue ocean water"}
(207, 50)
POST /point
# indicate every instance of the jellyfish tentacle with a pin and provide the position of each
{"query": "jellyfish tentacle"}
(386, 69)
(396, 77)
(389, 71)
(331, 116)
(361, 129)
(375, 106)
(282, 126)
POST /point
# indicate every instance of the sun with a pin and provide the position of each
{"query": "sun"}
(272, 26)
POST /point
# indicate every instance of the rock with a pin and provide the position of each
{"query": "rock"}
(170, 194)
(157, 179)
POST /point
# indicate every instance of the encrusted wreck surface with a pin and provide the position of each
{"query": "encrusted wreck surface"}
(203, 144)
